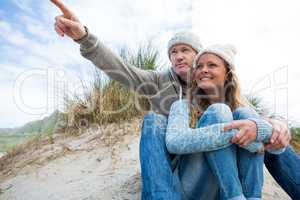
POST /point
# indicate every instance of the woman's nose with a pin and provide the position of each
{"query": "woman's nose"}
(204, 70)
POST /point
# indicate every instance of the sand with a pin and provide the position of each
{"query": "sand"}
(92, 168)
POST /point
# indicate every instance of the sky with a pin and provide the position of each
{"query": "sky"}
(39, 67)
(266, 36)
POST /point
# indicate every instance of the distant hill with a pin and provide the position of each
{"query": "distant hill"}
(44, 126)
(6, 130)
(295, 130)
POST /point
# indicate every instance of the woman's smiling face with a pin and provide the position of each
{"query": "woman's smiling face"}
(210, 72)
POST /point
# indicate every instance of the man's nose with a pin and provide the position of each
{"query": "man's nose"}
(179, 56)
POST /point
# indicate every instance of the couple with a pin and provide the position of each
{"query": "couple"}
(178, 162)
(209, 167)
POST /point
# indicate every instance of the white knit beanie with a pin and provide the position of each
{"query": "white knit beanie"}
(227, 52)
(185, 37)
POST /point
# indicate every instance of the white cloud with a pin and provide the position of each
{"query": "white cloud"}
(266, 34)
(30, 41)
(120, 23)
(36, 27)
(26, 5)
(10, 35)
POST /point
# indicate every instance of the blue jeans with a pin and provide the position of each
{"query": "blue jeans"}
(159, 181)
(163, 183)
(239, 172)
(159, 169)
(285, 169)
(251, 176)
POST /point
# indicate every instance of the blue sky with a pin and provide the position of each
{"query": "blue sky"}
(35, 62)
(31, 53)
(266, 36)
(27, 43)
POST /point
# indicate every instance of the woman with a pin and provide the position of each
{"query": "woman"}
(215, 95)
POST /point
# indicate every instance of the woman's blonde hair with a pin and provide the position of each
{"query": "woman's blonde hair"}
(199, 101)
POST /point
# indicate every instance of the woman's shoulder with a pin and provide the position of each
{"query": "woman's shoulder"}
(180, 102)
(180, 105)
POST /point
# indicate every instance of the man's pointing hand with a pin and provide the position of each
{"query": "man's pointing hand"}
(68, 24)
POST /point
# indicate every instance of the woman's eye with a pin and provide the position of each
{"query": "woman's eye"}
(212, 65)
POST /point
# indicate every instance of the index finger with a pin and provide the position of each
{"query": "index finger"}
(280, 139)
(66, 11)
(232, 125)
(274, 137)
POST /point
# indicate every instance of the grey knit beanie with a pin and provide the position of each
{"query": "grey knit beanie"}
(185, 37)
(227, 52)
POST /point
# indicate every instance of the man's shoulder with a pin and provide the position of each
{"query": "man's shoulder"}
(164, 74)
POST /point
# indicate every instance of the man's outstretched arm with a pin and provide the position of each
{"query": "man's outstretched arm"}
(142, 81)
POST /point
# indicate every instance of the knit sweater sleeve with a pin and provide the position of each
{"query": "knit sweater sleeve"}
(181, 139)
(264, 133)
(142, 81)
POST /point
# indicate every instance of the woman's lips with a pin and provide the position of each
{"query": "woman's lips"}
(205, 78)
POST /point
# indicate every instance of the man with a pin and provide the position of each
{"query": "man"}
(163, 88)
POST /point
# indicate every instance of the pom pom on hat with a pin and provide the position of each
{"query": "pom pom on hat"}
(226, 52)
(231, 48)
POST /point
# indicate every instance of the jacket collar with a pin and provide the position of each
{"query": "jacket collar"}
(179, 82)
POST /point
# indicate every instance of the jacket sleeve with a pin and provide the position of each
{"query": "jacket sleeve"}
(142, 81)
(181, 139)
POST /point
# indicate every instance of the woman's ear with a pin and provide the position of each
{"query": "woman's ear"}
(229, 71)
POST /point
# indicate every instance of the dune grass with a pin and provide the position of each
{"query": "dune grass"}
(296, 139)
(262, 109)
(107, 101)
(104, 102)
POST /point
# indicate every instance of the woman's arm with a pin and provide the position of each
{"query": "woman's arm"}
(263, 133)
(181, 139)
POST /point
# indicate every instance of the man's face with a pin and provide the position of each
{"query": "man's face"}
(182, 57)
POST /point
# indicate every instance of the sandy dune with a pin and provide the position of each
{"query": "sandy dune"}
(97, 165)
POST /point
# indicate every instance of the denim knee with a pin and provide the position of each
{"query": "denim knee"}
(153, 134)
(244, 112)
(154, 124)
(220, 111)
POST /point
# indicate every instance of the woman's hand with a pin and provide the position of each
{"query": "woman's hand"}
(247, 131)
(68, 24)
